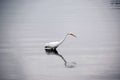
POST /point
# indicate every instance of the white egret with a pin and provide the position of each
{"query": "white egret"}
(54, 45)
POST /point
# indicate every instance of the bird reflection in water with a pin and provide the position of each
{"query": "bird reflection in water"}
(55, 52)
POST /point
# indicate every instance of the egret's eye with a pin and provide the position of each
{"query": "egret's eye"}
(73, 35)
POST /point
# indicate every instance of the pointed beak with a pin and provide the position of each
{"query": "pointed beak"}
(74, 35)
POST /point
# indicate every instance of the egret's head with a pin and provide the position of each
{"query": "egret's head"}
(72, 34)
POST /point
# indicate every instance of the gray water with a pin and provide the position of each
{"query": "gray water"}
(25, 26)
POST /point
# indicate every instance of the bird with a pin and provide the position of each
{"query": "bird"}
(56, 44)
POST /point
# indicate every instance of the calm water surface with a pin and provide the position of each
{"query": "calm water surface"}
(25, 26)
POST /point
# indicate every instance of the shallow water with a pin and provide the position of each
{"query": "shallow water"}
(25, 26)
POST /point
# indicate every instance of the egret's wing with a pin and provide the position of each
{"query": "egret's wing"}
(52, 44)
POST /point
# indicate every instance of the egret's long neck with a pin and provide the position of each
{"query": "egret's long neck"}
(63, 39)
